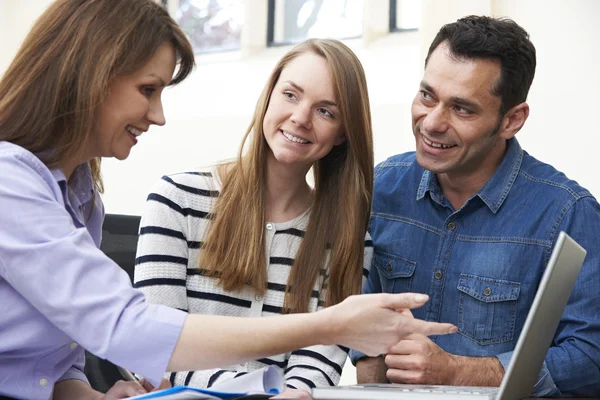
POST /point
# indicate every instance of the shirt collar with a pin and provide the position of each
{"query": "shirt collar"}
(428, 184)
(496, 188)
(80, 183)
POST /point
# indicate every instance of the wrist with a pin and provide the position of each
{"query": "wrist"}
(453, 377)
(498, 370)
(371, 370)
(474, 371)
(94, 395)
(75, 389)
(326, 331)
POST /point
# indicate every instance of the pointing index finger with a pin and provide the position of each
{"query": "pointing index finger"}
(430, 328)
(406, 300)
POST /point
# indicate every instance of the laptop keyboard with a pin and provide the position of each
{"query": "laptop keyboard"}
(474, 390)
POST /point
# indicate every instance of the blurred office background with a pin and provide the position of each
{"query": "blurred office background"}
(238, 42)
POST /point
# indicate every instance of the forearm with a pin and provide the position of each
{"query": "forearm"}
(74, 389)
(209, 341)
(476, 371)
(368, 323)
(371, 370)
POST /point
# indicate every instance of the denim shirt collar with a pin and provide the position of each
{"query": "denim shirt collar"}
(496, 188)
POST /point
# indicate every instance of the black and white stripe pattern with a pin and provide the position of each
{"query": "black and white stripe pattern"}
(173, 225)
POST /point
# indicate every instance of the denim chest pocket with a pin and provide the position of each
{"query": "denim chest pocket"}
(395, 272)
(487, 308)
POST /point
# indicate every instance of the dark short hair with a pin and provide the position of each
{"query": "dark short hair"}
(477, 37)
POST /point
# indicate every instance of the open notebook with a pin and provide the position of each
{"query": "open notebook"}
(261, 383)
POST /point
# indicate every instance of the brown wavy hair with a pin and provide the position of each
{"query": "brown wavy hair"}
(234, 246)
(50, 93)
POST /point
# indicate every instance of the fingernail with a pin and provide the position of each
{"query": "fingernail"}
(421, 298)
(454, 329)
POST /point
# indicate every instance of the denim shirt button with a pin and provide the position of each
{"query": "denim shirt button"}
(438, 275)
(487, 291)
(452, 226)
(389, 265)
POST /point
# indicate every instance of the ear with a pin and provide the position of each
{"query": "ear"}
(513, 120)
(340, 139)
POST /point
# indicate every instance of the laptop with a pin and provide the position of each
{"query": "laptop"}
(535, 339)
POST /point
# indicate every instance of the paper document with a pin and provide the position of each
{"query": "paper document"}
(264, 382)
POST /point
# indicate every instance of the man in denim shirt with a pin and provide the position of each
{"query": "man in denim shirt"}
(470, 219)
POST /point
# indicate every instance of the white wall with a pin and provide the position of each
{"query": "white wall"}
(562, 128)
(16, 18)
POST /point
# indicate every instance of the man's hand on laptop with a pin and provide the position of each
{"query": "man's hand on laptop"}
(418, 360)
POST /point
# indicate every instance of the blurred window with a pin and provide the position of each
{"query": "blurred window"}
(211, 25)
(291, 21)
(405, 15)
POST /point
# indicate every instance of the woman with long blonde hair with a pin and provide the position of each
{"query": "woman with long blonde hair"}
(252, 237)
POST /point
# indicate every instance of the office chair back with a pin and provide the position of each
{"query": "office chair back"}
(119, 242)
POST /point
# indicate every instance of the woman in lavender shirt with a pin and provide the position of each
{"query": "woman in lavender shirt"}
(86, 83)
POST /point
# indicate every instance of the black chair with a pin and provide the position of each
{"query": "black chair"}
(119, 242)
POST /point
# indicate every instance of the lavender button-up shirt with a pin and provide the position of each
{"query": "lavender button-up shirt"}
(59, 293)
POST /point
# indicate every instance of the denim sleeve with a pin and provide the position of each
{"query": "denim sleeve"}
(544, 386)
(373, 286)
(572, 365)
(573, 360)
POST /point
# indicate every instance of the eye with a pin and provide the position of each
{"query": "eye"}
(148, 91)
(289, 95)
(426, 96)
(462, 110)
(325, 112)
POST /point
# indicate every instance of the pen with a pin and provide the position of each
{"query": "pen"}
(127, 375)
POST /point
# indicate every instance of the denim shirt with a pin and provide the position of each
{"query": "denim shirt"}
(481, 265)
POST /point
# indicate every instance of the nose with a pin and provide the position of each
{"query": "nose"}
(302, 116)
(436, 120)
(156, 115)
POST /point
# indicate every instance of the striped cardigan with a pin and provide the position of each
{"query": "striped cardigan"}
(173, 224)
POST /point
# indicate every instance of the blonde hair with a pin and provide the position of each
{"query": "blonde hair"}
(234, 247)
(50, 94)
